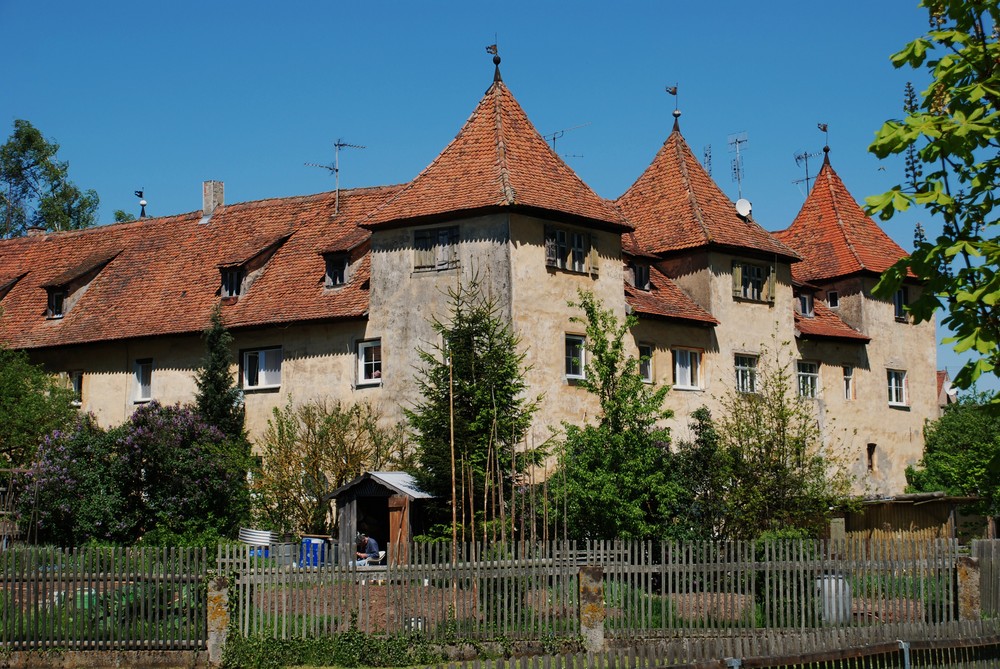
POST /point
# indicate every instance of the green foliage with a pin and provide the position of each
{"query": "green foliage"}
(614, 478)
(164, 476)
(122, 216)
(309, 451)
(485, 385)
(703, 466)
(952, 132)
(32, 404)
(776, 475)
(346, 649)
(961, 453)
(218, 400)
(35, 189)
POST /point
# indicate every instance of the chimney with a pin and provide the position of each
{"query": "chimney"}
(35, 230)
(211, 197)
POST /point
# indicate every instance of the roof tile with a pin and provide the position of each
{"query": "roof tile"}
(665, 299)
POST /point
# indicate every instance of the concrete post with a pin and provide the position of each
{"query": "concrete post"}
(218, 618)
(968, 589)
(592, 611)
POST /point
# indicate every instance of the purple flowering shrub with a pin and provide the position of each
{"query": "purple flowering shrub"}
(164, 477)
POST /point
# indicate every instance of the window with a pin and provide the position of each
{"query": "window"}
(232, 281)
(336, 270)
(808, 375)
(640, 276)
(687, 368)
(897, 387)
(57, 301)
(76, 385)
(435, 248)
(646, 362)
(370, 362)
(144, 380)
(753, 282)
(576, 361)
(871, 458)
(575, 251)
(806, 305)
(832, 299)
(849, 393)
(899, 302)
(262, 368)
(746, 373)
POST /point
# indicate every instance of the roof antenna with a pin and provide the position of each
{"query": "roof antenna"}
(672, 90)
(735, 142)
(142, 202)
(335, 168)
(553, 136)
(800, 160)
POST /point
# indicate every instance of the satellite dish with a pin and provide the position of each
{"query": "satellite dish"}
(743, 207)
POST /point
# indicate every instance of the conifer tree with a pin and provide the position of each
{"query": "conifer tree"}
(219, 401)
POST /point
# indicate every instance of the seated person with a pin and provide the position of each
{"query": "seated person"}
(367, 549)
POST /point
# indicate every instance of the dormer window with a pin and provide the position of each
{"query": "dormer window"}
(570, 250)
(833, 299)
(57, 302)
(336, 270)
(232, 281)
(806, 305)
(640, 276)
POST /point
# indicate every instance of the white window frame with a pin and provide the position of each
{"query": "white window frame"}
(850, 391)
(753, 282)
(687, 368)
(370, 362)
(807, 305)
(435, 249)
(896, 387)
(56, 307)
(262, 365)
(76, 385)
(833, 299)
(899, 302)
(143, 376)
(646, 362)
(745, 367)
(575, 359)
(807, 374)
(580, 251)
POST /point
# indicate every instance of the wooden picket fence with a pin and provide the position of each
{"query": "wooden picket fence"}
(988, 553)
(103, 598)
(651, 589)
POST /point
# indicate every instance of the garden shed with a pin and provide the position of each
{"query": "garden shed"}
(388, 506)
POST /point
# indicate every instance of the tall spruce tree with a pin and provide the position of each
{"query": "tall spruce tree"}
(477, 369)
(218, 401)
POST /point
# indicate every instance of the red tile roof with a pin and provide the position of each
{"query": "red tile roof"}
(497, 159)
(675, 205)
(826, 324)
(834, 236)
(165, 277)
(666, 300)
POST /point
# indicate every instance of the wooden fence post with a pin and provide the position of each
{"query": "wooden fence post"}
(969, 598)
(218, 618)
(592, 611)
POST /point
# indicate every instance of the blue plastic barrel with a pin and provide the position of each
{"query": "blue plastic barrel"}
(312, 552)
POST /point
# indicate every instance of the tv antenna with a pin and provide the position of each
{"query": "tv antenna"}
(335, 168)
(735, 142)
(803, 159)
(707, 159)
(558, 134)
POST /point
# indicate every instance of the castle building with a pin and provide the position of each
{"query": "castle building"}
(331, 296)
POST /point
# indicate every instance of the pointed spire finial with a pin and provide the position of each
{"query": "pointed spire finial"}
(825, 129)
(492, 48)
(672, 90)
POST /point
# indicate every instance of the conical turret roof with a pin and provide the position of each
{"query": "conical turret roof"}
(497, 160)
(675, 205)
(834, 236)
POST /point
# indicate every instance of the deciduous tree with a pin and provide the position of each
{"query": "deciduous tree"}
(951, 138)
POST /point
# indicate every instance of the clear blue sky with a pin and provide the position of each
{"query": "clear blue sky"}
(164, 95)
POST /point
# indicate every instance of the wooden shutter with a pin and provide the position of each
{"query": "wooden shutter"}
(770, 284)
(551, 248)
(594, 256)
(737, 279)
